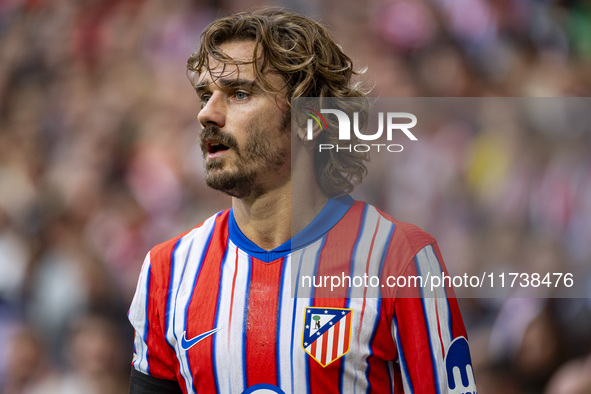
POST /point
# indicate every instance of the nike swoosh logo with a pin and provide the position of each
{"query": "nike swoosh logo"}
(186, 344)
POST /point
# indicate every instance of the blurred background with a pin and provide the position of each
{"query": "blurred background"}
(99, 161)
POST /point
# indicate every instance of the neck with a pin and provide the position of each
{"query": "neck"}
(271, 219)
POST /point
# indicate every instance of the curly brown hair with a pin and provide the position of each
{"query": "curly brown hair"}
(312, 65)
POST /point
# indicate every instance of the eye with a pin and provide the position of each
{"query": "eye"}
(240, 95)
(204, 98)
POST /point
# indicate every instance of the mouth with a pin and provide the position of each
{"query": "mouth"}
(215, 148)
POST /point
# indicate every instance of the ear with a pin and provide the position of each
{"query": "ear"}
(310, 132)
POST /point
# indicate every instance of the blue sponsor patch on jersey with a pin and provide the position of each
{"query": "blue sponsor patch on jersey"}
(263, 388)
(460, 376)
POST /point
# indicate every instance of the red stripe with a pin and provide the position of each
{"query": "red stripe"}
(313, 348)
(335, 348)
(162, 362)
(335, 256)
(335, 259)
(414, 340)
(232, 295)
(382, 348)
(203, 307)
(158, 350)
(373, 238)
(261, 327)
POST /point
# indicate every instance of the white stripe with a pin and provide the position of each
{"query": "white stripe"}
(362, 331)
(362, 250)
(391, 375)
(306, 263)
(318, 354)
(235, 355)
(221, 342)
(299, 361)
(442, 303)
(436, 317)
(139, 319)
(357, 356)
(381, 243)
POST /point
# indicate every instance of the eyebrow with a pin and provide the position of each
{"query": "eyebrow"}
(225, 83)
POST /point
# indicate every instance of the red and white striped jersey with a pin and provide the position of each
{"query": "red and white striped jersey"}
(217, 313)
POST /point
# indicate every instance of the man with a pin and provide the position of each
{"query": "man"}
(214, 309)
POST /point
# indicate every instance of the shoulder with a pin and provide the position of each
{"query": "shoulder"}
(402, 233)
(402, 243)
(411, 233)
(162, 255)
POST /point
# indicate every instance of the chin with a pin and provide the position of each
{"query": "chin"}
(240, 186)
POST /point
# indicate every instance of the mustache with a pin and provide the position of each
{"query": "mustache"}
(214, 133)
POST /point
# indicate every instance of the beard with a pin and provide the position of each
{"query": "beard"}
(264, 151)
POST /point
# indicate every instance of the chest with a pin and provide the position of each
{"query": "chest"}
(234, 321)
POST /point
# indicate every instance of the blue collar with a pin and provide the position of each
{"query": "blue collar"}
(333, 211)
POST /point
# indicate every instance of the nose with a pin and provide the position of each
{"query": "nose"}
(214, 111)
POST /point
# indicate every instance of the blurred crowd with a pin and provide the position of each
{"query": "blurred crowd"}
(99, 161)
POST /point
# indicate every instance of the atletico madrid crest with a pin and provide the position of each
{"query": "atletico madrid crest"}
(327, 333)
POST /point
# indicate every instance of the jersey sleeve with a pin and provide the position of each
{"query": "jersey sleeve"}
(152, 355)
(427, 327)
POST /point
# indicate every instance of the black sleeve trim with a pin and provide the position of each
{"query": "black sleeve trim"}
(140, 383)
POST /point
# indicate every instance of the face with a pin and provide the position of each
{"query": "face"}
(246, 131)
